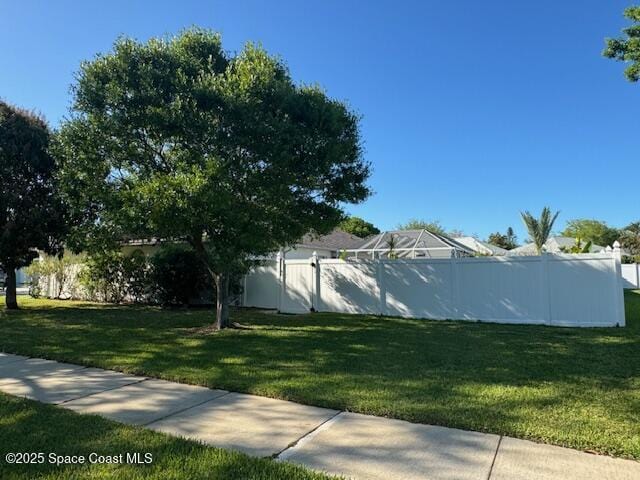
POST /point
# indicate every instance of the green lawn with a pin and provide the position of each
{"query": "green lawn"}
(27, 426)
(574, 387)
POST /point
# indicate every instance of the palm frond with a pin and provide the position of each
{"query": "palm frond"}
(539, 228)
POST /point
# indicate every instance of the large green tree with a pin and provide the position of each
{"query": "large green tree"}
(627, 48)
(358, 227)
(174, 138)
(595, 231)
(31, 213)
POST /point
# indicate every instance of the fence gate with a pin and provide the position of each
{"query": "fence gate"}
(297, 286)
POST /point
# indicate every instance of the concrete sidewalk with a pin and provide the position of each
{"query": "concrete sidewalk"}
(349, 444)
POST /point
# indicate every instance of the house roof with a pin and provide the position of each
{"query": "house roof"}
(479, 246)
(552, 245)
(335, 240)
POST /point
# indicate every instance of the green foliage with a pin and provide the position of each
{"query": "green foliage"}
(31, 213)
(178, 275)
(415, 224)
(113, 277)
(358, 227)
(507, 240)
(578, 247)
(595, 231)
(60, 267)
(630, 241)
(539, 228)
(627, 48)
(176, 139)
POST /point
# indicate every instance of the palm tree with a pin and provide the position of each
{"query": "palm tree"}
(392, 244)
(539, 228)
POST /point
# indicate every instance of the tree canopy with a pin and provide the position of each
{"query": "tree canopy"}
(174, 138)
(627, 48)
(417, 224)
(506, 240)
(594, 231)
(31, 213)
(358, 227)
(630, 240)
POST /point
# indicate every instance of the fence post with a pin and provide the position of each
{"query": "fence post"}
(544, 288)
(382, 289)
(314, 281)
(618, 285)
(244, 290)
(455, 289)
(281, 278)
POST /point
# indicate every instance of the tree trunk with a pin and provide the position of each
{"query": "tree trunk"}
(222, 301)
(10, 289)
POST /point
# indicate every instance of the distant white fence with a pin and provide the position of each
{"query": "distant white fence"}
(567, 290)
(631, 275)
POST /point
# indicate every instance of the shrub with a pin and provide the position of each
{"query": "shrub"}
(177, 275)
(114, 277)
(61, 268)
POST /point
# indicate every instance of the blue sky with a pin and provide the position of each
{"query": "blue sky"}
(472, 111)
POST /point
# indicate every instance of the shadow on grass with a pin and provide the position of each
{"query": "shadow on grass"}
(575, 387)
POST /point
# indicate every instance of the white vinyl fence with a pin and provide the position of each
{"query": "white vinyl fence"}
(631, 275)
(566, 290)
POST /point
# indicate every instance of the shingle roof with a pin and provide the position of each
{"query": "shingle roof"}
(336, 240)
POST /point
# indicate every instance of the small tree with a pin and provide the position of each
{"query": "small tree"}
(176, 139)
(392, 244)
(31, 214)
(512, 239)
(539, 228)
(358, 227)
(627, 48)
(60, 267)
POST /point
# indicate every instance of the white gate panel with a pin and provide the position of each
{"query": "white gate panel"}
(297, 285)
(501, 290)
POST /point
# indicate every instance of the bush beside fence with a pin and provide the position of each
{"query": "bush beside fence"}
(171, 276)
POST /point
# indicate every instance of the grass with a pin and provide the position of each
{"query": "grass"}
(28, 426)
(567, 386)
